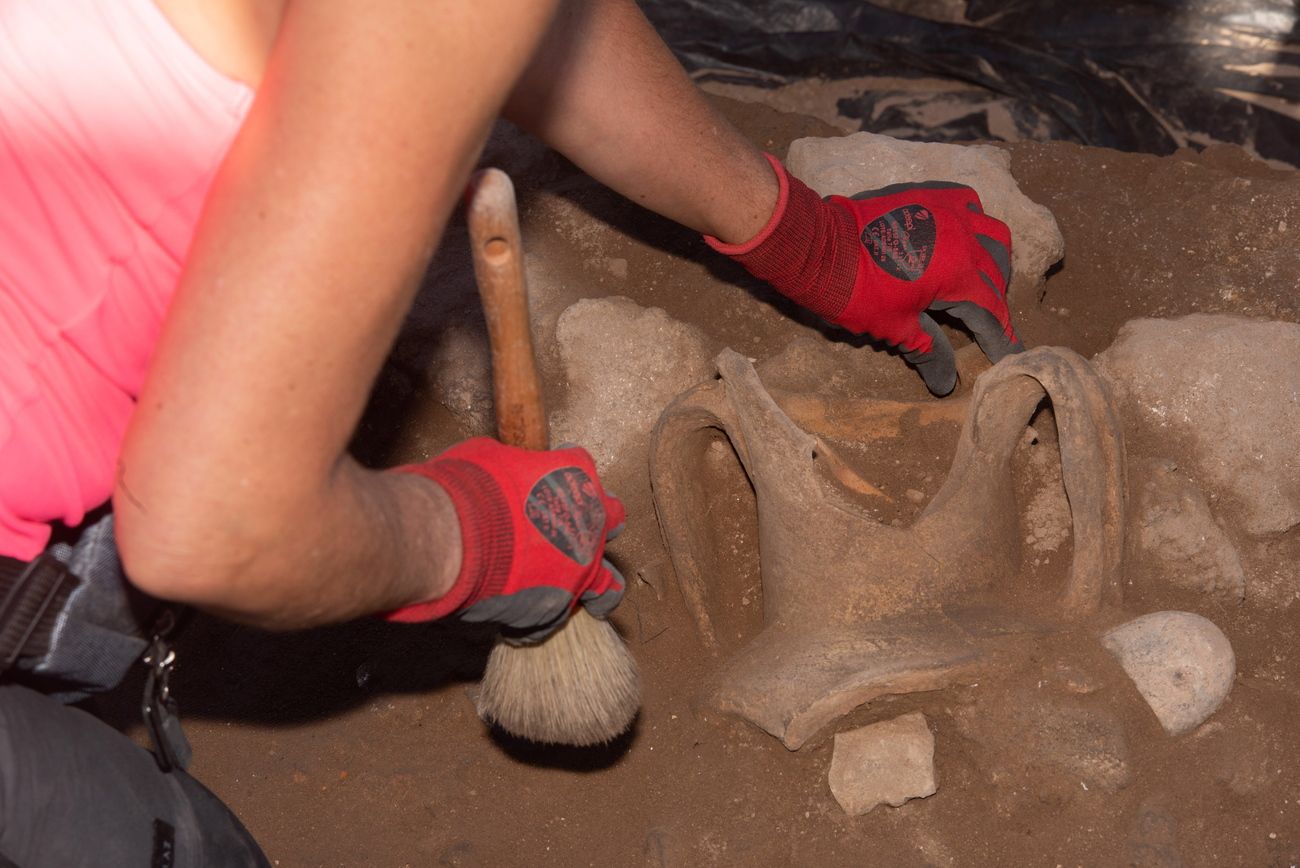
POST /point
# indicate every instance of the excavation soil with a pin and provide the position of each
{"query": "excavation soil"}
(359, 745)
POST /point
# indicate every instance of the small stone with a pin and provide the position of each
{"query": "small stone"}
(915, 496)
(617, 267)
(888, 762)
(1182, 665)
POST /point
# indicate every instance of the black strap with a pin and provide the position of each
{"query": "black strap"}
(31, 596)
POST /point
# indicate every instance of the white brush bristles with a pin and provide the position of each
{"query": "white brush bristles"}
(579, 687)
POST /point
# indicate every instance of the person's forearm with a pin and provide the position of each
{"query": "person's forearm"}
(605, 91)
(366, 542)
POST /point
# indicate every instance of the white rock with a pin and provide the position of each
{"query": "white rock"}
(1175, 540)
(888, 762)
(623, 364)
(462, 377)
(865, 161)
(1221, 396)
(1182, 665)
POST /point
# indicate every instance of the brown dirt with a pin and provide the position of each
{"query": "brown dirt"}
(357, 745)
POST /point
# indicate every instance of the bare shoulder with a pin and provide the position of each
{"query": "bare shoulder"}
(234, 36)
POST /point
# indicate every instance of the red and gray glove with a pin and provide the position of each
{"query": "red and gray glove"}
(533, 530)
(876, 262)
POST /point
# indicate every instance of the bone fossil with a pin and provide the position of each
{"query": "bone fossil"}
(854, 609)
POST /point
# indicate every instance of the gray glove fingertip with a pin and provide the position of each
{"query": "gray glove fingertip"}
(526, 616)
(984, 325)
(1001, 257)
(600, 605)
(938, 367)
(534, 635)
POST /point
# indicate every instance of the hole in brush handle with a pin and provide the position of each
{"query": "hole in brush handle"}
(496, 251)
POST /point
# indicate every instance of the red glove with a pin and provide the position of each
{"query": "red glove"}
(876, 262)
(533, 530)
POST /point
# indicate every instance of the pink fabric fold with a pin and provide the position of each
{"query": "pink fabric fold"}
(111, 130)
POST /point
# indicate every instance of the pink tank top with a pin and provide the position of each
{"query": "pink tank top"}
(111, 129)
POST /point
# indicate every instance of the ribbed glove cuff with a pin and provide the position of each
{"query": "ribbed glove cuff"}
(808, 251)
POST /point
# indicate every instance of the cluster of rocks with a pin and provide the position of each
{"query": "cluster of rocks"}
(1196, 422)
(1210, 405)
(1181, 664)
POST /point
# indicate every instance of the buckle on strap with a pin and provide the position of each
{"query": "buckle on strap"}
(31, 596)
(171, 749)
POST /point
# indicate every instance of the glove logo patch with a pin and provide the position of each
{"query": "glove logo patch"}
(566, 508)
(902, 241)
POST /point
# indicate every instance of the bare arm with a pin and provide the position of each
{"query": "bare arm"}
(606, 92)
(235, 492)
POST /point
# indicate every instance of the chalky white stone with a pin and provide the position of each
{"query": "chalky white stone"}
(623, 364)
(1218, 394)
(1182, 665)
(1174, 539)
(888, 762)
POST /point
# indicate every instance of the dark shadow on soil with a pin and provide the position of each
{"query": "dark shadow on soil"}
(566, 757)
(233, 673)
(229, 672)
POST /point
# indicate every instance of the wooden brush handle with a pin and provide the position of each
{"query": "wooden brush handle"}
(499, 270)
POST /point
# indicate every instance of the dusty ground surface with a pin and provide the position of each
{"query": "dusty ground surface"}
(357, 745)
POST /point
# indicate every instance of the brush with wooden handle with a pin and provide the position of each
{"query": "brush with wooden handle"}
(579, 686)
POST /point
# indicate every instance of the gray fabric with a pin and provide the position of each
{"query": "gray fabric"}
(938, 367)
(985, 327)
(74, 792)
(602, 605)
(531, 615)
(100, 631)
(527, 616)
(1001, 257)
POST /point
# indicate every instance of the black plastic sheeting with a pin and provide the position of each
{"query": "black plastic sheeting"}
(1138, 76)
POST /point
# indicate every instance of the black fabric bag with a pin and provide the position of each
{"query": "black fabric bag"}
(78, 792)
